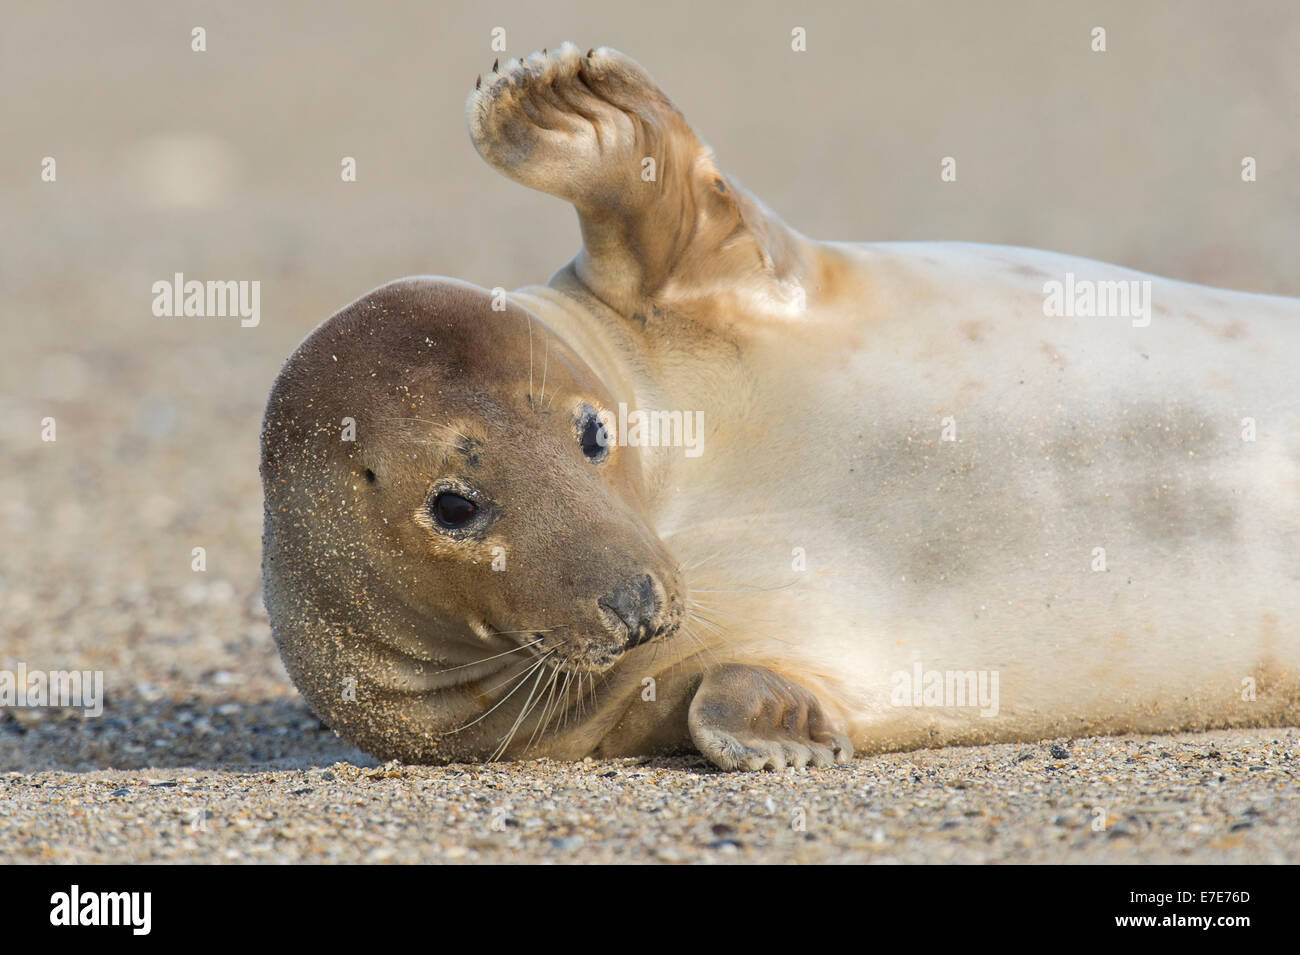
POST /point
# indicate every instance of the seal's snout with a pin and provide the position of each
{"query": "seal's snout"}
(634, 610)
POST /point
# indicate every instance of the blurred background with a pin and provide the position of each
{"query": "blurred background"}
(225, 165)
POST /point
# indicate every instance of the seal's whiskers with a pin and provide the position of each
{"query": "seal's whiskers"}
(519, 681)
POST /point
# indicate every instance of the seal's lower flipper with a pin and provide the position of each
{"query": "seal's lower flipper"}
(750, 717)
(594, 129)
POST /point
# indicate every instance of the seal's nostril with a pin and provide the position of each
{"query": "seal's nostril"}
(636, 607)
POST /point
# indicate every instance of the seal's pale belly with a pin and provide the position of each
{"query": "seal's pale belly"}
(1073, 503)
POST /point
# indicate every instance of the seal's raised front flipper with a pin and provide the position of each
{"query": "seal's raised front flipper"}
(751, 717)
(659, 220)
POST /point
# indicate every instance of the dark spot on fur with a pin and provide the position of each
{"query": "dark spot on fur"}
(1229, 331)
(1153, 473)
(471, 450)
(370, 476)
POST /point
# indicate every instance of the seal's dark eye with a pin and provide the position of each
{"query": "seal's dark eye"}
(594, 438)
(452, 510)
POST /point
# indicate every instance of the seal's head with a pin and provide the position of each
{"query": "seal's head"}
(441, 480)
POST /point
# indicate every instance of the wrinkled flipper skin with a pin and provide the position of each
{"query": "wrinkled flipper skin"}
(659, 219)
(753, 718)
